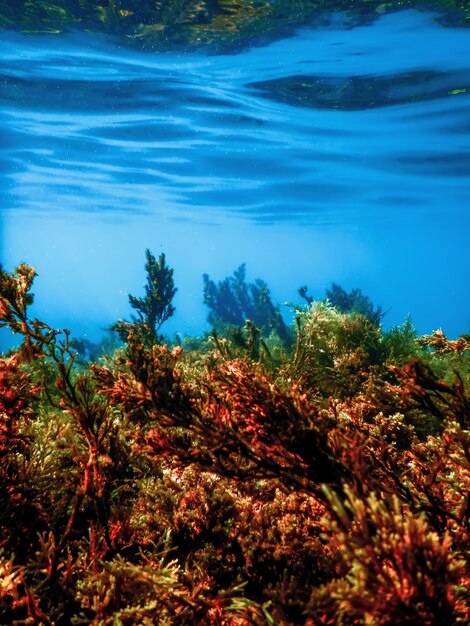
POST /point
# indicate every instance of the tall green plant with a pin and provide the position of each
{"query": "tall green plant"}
(155, 307)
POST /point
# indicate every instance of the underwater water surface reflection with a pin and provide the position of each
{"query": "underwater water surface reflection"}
(334, 155)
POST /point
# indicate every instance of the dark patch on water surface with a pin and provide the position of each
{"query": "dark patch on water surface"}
(358, 93)
(443, 164)
(78, 94)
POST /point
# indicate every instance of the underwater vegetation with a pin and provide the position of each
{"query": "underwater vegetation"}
(232, 302)
(159, 486)
(155, 23)
(156, 308)
(353, 302)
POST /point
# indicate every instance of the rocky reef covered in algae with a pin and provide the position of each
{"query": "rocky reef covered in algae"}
(322, 480)
(156, 23)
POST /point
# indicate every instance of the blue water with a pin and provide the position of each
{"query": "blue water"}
(333, 155)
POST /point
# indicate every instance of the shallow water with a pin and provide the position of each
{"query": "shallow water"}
(336, 154)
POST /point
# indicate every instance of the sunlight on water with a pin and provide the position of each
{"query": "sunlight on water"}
(333, 155)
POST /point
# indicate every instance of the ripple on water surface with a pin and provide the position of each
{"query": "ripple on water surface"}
(358, 133)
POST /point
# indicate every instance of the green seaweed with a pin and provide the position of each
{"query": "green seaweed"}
(353, 301)
(155, 308)
(233, 303)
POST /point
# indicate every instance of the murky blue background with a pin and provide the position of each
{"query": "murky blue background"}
(334, 155)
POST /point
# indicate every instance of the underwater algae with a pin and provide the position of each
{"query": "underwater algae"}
(156, 308)
(324, 481)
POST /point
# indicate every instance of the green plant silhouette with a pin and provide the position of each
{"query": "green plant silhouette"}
(156, 307)
(233, 302)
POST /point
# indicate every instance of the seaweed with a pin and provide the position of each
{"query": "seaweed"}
(155, 308)
(353, 301)
(156, 486)
(335, 351)
(233, 303)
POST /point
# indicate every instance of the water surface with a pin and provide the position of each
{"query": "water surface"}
(337, 154)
